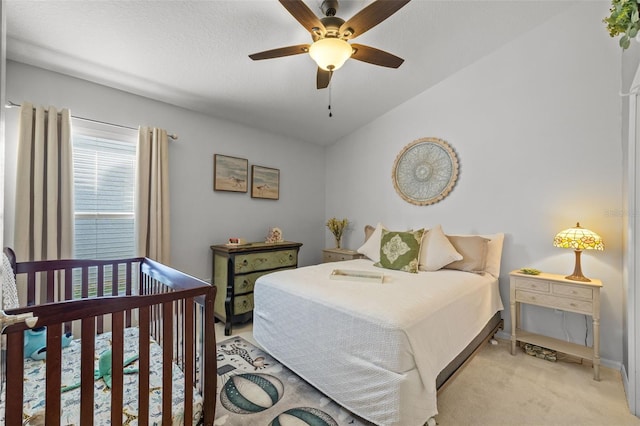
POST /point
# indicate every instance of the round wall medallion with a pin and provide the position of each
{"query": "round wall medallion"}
(425, 171)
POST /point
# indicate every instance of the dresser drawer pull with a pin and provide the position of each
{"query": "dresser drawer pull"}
(245, 262)
(572, 305)
(245, 283)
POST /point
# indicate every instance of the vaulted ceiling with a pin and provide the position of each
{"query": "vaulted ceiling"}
(194, 54)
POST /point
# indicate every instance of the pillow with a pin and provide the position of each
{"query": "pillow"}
(368, 231)
(494, 254)
(473, 249)
(400, 250)
(371, 247)
(436, 250)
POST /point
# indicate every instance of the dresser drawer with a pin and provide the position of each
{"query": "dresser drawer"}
(242, 304)
(573, 291)
(551, 301)
(529, 284)
(265, 260)
(245, 283)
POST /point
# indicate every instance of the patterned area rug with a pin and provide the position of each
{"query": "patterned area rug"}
(255, 389)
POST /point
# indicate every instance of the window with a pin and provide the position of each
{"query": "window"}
(104, 165)
(104, 186)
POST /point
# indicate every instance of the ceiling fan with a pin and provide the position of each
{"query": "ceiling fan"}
(330, 48)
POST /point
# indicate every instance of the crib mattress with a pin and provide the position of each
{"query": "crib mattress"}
(34, 386)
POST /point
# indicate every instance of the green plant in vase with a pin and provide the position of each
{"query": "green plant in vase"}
(337, 227)
(624, 19)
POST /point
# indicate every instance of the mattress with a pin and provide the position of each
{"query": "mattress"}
(34, 386)
(374, 348)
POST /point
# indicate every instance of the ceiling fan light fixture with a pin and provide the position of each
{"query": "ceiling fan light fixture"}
(330, 53)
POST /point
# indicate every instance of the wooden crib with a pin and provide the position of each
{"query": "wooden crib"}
(89, 297)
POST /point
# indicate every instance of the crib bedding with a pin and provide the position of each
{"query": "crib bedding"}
(34, 386)
(374, 348)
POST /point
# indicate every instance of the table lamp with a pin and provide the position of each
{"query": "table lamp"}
(578, 239)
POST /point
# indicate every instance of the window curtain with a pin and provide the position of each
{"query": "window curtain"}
(152, 195)
(44, 189)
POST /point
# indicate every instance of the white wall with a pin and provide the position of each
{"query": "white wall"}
(200, 217)
(536, 126)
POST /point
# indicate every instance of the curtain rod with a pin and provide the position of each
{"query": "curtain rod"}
(11, 104)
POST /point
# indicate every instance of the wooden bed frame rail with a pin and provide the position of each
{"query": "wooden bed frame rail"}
(91, 296)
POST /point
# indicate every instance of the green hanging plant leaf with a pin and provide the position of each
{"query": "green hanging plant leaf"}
(624, 19)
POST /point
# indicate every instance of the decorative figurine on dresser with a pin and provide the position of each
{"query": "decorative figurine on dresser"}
(236, 267)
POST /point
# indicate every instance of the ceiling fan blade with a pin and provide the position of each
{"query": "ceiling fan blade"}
(303, 14)
(375, 56)
(323, 78)
(280, 52)
(369, 17)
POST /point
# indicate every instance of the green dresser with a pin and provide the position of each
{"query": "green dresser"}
(235, 271)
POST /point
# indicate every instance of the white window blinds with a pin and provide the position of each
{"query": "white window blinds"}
(104, 186)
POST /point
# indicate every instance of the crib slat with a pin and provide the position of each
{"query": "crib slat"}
(143, 388)
(117, 362)
(128, 291)
(85, 282)
(15, 372)
(50, 286)
(53, 374)
(188, 356)
(167, 358)
(31, 288)
(68, 294)
(114, 279)
(86, 370)
(100, 292)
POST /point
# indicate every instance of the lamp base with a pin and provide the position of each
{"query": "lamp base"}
(577, 270)
(578, 278)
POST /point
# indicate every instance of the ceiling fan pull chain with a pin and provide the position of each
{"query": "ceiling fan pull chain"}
(330, 113)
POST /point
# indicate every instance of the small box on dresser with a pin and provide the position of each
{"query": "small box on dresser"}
(556, 292)
(235, 271)
(339, 254)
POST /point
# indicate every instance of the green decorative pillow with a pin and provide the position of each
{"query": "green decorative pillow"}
(400, 250)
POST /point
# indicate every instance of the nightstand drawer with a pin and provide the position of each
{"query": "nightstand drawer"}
(242, 304)
(573, 291)
(335, 257)
(529, 284)
(265, 260)
(339, 254)
(554, 301)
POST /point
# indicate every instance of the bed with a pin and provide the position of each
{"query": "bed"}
(380, 350)
(141, 311)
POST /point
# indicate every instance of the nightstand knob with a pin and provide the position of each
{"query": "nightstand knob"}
(245, 283)
(572, 304)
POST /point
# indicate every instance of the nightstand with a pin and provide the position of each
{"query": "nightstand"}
(339, 254)
(235, 271)
(556, 292)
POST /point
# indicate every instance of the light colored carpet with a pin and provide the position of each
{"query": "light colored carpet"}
(497, 388)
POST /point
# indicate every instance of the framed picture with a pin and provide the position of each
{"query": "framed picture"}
(265, 183)
(230, 173)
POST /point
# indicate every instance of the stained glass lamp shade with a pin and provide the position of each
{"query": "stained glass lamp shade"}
(578, 239)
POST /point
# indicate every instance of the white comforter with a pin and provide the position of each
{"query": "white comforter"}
(374, 348)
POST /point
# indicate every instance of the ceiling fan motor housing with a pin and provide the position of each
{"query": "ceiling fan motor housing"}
(329, 7)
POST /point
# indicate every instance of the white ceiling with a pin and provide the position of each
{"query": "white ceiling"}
(194, 54)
